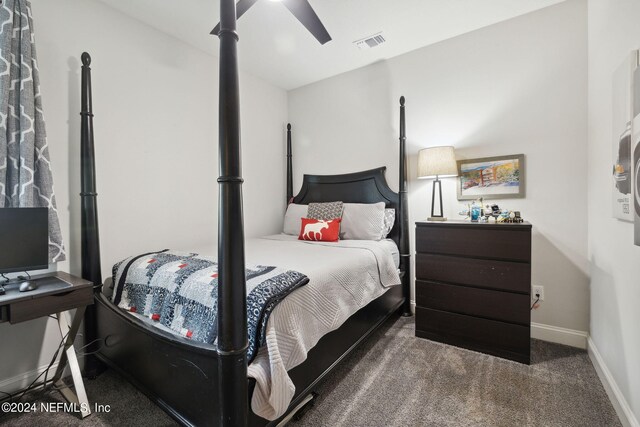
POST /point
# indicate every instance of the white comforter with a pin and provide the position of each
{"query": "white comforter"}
(344, 277)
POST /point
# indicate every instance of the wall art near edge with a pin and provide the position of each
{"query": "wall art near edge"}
(498, 177)
(635, 143)
(622, 170)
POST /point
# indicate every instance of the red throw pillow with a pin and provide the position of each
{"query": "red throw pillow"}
(319, 230)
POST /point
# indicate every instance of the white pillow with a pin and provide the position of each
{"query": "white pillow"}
(293, 219)
(362, 221)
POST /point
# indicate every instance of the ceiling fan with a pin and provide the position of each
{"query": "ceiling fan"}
(301, 9)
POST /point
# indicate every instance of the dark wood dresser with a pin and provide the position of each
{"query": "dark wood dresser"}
(473, 286)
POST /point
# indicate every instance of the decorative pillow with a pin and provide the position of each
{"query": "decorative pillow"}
(320, 230)
(325, 211)
(389, 219)
(292, 218)
(362, 221)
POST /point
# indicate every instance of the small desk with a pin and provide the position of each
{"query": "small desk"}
(57, 293)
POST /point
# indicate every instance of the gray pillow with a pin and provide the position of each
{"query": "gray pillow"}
(389, 219)
(362, 221)
(325, 211)
(293, 219)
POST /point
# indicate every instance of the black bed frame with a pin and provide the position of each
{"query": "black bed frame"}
(203, 385)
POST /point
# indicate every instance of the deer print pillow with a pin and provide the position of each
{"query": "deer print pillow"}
(320, 230)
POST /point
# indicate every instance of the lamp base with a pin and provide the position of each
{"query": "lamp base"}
(436, 218)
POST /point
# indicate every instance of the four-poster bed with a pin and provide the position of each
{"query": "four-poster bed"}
(206, 384)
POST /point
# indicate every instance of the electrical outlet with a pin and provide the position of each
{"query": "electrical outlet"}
(538, 291)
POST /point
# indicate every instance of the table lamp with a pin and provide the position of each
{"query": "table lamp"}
(437, 162)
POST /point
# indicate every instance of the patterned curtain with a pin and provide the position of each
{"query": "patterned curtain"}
(25, 170)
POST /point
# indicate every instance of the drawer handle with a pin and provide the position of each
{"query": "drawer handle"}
(64, 294)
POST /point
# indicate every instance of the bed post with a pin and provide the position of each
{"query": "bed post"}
(232, 310)
(289, 167)
(90, 237)
(403, 211)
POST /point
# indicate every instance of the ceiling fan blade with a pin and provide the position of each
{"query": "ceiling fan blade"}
(241, 7)
(302, 10)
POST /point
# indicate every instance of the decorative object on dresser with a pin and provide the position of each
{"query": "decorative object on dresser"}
(438, 162)
(499, 177)
(473, 286)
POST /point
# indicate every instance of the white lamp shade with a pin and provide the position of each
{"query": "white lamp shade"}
(437, 161)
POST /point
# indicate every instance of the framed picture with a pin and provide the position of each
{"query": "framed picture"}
(500, 177)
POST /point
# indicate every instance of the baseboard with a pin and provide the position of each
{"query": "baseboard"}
(620, 404)
(556, 334)
(22, 381)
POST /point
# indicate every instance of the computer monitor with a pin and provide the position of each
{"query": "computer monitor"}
(24, 239)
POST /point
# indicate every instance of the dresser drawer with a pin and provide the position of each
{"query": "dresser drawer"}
(491, 274)
(489, 336)
(38, 307)
(497, 305)
(484, 241)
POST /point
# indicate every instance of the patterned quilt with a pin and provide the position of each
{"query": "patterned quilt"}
(179, 292)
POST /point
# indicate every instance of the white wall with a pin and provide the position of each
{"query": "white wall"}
(514, 87)
(615, 266)
(156, 112)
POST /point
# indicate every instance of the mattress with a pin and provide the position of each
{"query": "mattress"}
(343, 276)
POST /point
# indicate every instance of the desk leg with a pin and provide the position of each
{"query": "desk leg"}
(69, 356)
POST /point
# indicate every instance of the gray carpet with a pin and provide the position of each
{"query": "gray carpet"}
(400, 380)
(128, 407)
(396, 379)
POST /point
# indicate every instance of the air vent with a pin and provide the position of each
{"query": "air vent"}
(370, 42)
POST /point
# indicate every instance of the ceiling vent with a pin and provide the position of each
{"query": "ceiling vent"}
(371, 41)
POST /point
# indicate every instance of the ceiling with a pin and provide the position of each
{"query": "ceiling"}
(276, 47)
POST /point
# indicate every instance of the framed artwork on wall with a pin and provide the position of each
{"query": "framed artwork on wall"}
(500, 177)
(622, 156)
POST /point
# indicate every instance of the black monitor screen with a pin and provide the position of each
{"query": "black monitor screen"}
(24, 239)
